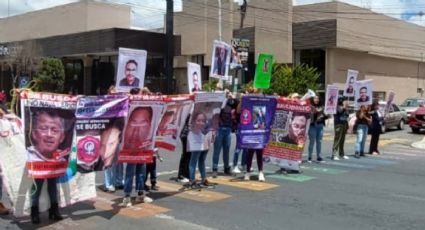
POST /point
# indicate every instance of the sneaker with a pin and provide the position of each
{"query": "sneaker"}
(319, 159)
(206, 183)
(236, 170)
(214, 174)
(184, 180)
(335, 158)
(247, 176)
(126, 202)
(309, 160)
(147, 199)
(154, 188)
(110, 189)
(146, 188)
(345, 157)
(356, 155)
(261, 176)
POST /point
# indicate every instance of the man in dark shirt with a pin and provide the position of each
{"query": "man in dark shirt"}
(130, 78)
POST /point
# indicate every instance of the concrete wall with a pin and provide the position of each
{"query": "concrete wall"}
(389, 74)
(363, 30)
(66, 19)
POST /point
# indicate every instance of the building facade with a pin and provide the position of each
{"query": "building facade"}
(337, 36)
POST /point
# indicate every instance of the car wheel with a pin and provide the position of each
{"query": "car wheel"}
(415, 130)
(383, 129)
(401, 125)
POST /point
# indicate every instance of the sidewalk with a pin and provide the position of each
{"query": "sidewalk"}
(419, 144)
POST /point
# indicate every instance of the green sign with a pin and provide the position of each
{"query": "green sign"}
(263, 72)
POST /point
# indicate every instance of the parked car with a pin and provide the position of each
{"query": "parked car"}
(411, 104)
(417, 120)
(395, 117)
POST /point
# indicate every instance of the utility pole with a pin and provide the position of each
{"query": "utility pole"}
(170, 46)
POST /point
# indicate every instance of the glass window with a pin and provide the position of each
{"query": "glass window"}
(396, 109)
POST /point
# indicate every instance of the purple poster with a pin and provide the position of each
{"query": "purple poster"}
(257, 114)
(100, 121)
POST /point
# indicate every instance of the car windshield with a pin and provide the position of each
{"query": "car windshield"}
(411, 102)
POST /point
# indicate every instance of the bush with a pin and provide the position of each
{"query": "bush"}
(51, 77)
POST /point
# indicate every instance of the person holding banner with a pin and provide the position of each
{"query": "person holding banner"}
(183, 173)
(375, 128)
(198, 140)
(362, 122)
(47, 134)
(3, 209)
(340, 127)
(315, 133)
(223, 138)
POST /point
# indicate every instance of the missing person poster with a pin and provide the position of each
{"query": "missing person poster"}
(288, 135)
(331, 99)
(350, 82)
(240, 50)
(172, 122)
(99, 126)
(141, 127)
(204, 120)
(220, 60)
(131, 69)
(363, 92)
(49, 121)
(390, 101)
(263, 72)
(256, 117)
(194, 77)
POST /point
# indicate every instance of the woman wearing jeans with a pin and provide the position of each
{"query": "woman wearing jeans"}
(198, 144)
(362, 122)
(315, 133)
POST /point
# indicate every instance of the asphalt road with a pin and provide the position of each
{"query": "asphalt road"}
(376, 192)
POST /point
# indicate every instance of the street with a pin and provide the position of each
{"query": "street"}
(375, 192)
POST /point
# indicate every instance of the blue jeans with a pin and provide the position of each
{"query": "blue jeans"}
(197, 157)
(111, 175)
(236, 157)
(134, 170)
(315, 135)
(361, 138)
(37, 188)
(222, 141)
(119, 174)
(151, 170)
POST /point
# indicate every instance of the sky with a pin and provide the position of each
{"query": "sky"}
(149, 13)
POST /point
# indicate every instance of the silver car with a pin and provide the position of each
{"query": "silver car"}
(395, 117)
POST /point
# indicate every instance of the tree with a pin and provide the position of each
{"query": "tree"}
(51, 77)
(286, 80)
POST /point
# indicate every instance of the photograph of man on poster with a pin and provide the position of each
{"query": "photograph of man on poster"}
(130, 71)
(195, 82)
(363, 97)
(350, 86)
(220, 61)
(47, 137)
(297, 129)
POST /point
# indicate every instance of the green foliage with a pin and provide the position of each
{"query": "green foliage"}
(51, 76)
(286, 80)
(210, 86)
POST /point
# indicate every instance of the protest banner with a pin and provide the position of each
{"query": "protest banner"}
(204, 120)
(194, 77)
(13, 158)
(100, 121)
(288, 135)
(350, 83)
(256, 117)
(240, 50)
(220, 60)
(263, 72)
(131, 69)
(331, 99)
(363, 93)
(141, 127)
(49, 121)
(172, 122)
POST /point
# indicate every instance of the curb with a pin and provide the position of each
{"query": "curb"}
(419, 144)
